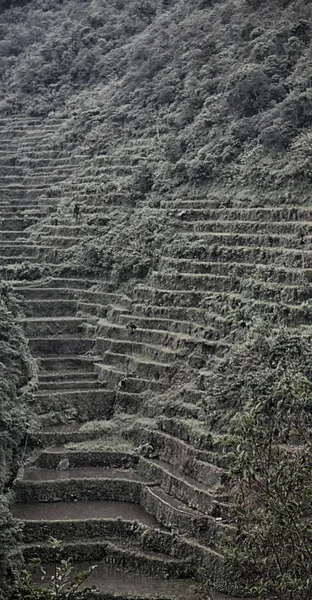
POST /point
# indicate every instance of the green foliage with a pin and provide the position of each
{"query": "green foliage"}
(64, 584)
(126, 247)
(16, 369)
(261, 399)
(264, 366)
(10, 529)
(272, 488)
(231, 78)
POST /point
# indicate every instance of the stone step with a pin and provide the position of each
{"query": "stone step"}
(194, 281)
(85, 483)
(199, 317)
(16, 224)
(221, 283)
(63, 230)
(171, 513)
(177, 408)
(45, 293)
(91, 308)
(50, 457)
(32, 180)
(189, 328)
(149, 295)
(64, 283)
(31, 262)
(195, 495)
(8, 235)
(181, 455)
(59, 162)
(130, 403)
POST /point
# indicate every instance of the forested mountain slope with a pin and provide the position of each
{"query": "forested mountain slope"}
(228, 82)
(155, 214)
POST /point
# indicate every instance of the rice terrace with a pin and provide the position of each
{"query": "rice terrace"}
(155, 299)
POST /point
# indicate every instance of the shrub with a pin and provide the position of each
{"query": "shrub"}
(272, 488)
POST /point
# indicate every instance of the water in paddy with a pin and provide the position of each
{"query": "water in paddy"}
(83, 509)
(117, 582)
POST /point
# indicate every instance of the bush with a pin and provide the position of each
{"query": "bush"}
(63, 584)
(272, 489)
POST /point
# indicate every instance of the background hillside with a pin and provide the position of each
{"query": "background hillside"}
(229, 83)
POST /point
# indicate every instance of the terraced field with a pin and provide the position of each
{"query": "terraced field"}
(121, 464)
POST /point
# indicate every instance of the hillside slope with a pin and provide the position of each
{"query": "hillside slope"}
(229, 82)
(155, 214)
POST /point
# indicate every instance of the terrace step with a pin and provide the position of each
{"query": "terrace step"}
(142, 365)
(52, 308)
(80, 510)
(122, 553)
(20, 250)
(83, 404)
(54, 240)
(113, 582)
(67, 364)
(288, 257)
(135, 348)
(196, 495)
(279, 274)
(135, 333)
(181, 455)
(51, 326)
(69, 384)
(65, 375)
(64, 283)
(37, 474)
(126, 382)
(55, 345)
(51, 293)
(200, 210)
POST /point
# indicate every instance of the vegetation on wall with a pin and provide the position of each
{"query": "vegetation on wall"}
(16, 371)
(261, 401)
